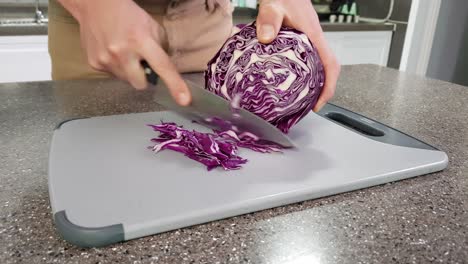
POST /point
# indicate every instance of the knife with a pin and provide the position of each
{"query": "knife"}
(206, 107)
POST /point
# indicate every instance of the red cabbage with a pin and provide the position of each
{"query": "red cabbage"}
(279, 82)
(217, 149)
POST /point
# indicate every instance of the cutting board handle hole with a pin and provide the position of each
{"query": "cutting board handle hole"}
(354, 124)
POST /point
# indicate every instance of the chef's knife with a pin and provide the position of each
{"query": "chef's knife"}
(206, 107)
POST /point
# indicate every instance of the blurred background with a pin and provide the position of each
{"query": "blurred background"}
(424, 37)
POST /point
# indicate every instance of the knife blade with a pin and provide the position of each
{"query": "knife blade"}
(206, 107)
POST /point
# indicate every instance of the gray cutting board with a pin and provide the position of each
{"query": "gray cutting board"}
(106, 186)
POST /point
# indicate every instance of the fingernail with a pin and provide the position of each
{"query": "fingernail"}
(184, 98)
(267, 32)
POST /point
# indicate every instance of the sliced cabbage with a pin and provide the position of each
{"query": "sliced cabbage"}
(218, 149)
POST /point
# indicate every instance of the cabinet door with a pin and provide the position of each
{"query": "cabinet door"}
(24, 58)
(361, 47)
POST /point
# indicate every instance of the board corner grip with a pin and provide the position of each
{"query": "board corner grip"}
(87, 236)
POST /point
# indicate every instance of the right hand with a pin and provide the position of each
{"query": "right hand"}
(301, 15)
(117, 35)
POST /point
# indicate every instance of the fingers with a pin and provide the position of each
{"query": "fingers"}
(118, 45)
(328, 91)
(269, 20)
(330, 63)
(126, 66)
(163, 66)
(332, 71)
(134, 74)
(122, 63)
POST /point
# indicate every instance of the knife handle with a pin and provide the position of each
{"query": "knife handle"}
(151, 76)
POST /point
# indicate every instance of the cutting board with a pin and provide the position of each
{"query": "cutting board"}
(106, 186)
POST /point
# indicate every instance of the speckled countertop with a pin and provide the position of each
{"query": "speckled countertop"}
(421, 220)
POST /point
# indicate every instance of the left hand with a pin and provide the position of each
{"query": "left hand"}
(301, 15)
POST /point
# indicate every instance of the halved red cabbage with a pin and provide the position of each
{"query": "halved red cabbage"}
(211, 149)
(279, 82)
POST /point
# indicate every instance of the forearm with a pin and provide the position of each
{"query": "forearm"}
(73, 6)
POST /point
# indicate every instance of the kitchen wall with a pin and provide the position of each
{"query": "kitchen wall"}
(401, 10)
(449, 55)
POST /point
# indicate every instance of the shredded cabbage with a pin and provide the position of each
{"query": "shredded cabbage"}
(218, 149)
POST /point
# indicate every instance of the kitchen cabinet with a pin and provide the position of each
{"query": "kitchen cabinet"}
(24, 58)
(360, 47)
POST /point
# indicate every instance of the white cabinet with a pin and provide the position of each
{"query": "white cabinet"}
(24, 58)
(360, 47)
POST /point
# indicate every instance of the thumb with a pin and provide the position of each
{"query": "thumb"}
(269, 20)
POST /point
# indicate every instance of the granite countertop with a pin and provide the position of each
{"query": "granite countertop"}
(420, 220)
(17, 19)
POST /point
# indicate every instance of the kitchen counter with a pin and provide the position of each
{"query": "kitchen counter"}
(420, 220)
(23, 29)
(41, 29)
(246, 15)
(18, 20)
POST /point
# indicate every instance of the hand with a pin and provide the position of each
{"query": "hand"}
(301, 15)
(117, 35)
